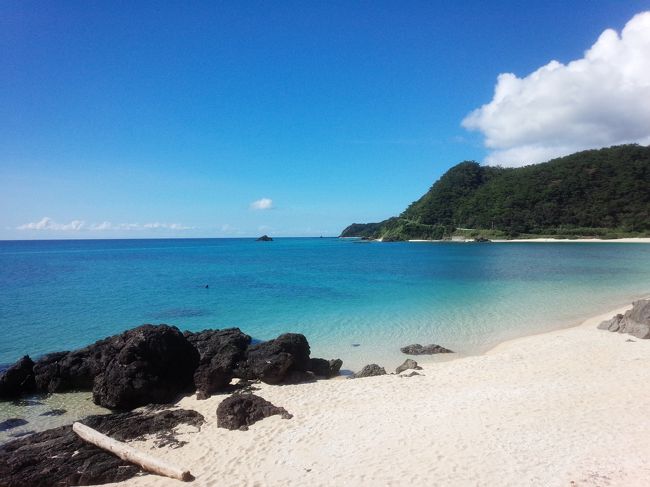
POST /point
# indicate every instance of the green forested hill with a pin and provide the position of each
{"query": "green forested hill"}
(602, 192)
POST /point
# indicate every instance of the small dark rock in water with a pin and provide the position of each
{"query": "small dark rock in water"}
(356, 344)
(26, 402)
(207, 286)
(54, 412)
(18, 379)
(417, 349)
(59, 457)
(370, 371)
(241, 410)
(265, 238)
(409, 363)
(12, 423)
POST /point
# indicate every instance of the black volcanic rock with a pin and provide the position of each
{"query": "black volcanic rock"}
(239, 411)
(219, 353)
(18, 379)
(12, 423)
(370, 371)
(271, 361)
(417, 349)
(58, 457)
(154, 365)
(265, 238)
(409, 363)
(325, 368)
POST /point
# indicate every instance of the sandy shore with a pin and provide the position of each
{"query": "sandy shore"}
(576, 240)
(550, 240)
(564, 408)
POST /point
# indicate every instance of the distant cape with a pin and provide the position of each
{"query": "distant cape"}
(600, 193)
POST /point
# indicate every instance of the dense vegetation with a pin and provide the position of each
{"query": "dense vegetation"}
(604, 193)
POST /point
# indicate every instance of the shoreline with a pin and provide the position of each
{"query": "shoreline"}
(548, 409)
(543, 240)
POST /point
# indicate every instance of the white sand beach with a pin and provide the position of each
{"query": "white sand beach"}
(550, 240)
(575, 240)
(566, 408)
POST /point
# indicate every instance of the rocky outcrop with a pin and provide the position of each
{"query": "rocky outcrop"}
(417, 349)
(265, 238)
(59, 457)
(325, 368)
(18, 379)
(220, 352)
(154, 365)
(635, 322)
(239, 411)
(409, 363)
(370, 371)
(272, 361)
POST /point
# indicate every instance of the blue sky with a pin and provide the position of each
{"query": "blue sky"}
(137, 119)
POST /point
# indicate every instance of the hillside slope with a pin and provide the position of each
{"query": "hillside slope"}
(603, 192)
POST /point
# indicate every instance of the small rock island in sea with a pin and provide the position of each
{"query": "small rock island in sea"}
(265, 238)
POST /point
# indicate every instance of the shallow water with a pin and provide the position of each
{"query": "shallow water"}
(58, 295)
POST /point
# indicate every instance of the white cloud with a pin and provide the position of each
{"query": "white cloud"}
(262, 204)
(166, 226)
(599, 100)
(47, 223)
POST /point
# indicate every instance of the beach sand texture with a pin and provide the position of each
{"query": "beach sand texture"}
(559, 409)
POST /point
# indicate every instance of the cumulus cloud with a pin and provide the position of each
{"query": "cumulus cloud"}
(47, 223)
(599, 100)
(262, 204)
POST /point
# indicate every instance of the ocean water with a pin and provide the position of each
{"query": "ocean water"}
(60, 295)
(357, 301)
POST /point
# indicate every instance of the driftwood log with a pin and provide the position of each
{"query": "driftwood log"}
(130, 454)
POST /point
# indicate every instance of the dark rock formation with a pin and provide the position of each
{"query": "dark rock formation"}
(482, 240)
(325, 368)
(11, 423)
(271, 361)
(54, 412)
(335, 367)
(239, 411)
(265, 238)
(370, 371)
(18, 379)
(613, 324)
(59, 457)
(220, 351)
(154, 364)
(635, 322)
(409, 363)
(417, 349)
(157, 363)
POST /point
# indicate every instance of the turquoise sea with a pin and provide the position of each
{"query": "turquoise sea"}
(357, 301)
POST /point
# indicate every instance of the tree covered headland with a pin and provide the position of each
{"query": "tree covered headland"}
(603, 193)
